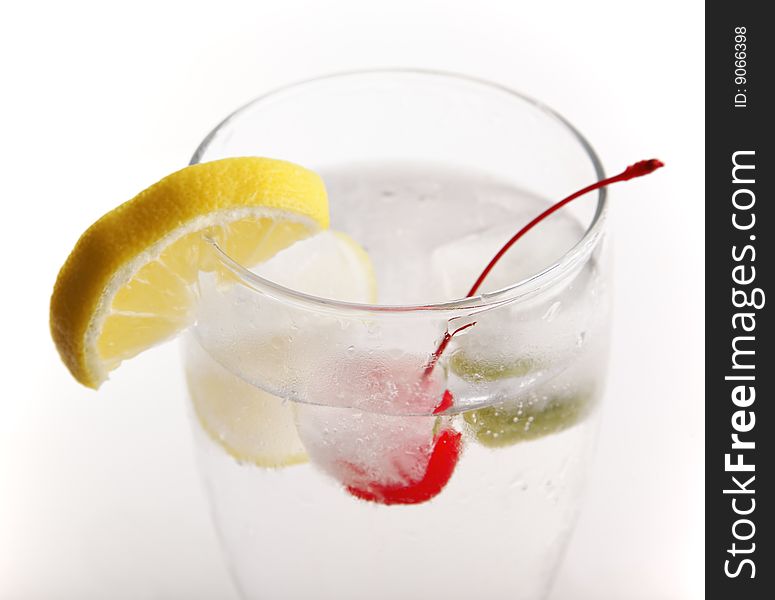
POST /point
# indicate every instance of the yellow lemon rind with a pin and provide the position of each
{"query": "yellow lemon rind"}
(122, 241)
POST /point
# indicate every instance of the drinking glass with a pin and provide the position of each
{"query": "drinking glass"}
(340, 459)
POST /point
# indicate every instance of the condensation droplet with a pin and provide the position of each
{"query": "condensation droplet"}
(581, 338)
(551, 312)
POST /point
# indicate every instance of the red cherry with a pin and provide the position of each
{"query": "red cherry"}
(444, 457)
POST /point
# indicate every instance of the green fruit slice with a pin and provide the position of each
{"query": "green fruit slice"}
(509, 423)
(475, 370)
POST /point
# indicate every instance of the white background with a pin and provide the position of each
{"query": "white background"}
(99, 497)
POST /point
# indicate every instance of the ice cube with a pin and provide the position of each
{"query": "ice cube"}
(457, 264)
(329, 264)
(376, 427)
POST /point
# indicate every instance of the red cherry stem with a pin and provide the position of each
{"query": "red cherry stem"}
(442, 346)
(640, 168)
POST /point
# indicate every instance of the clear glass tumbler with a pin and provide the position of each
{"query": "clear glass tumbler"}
(341, 460)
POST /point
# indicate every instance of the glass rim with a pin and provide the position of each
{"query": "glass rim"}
(526, 286)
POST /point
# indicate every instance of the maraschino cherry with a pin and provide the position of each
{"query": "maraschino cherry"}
(447, 442)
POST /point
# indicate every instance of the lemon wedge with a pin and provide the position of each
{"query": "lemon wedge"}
(128, 283)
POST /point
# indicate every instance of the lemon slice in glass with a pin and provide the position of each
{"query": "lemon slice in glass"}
(249, 423)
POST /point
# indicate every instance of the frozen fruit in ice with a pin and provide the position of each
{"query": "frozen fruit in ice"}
(250, 424)
(517, 421)
(475, 369)
(379, 432)
(437, 472)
